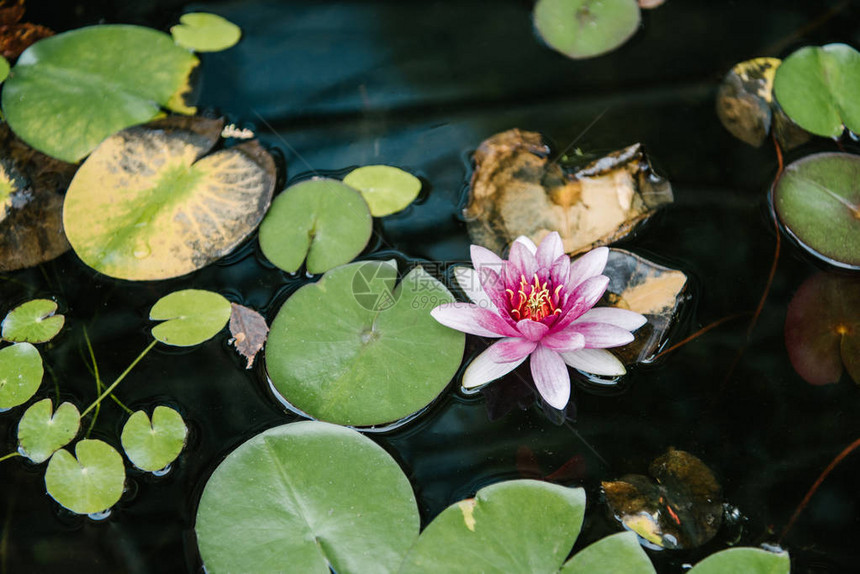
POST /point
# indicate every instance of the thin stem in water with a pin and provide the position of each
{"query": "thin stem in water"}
(10, 455)
(698, 334)
(119, 379)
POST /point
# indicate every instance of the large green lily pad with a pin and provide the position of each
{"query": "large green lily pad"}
(68, 92)
(353, 349)
(148, 205)
(32, 322)
(321, 219)
(204, 32)
(386, 189)
(586, 28)
(306, 497)
(817, 200)
(525, 526)
(20, 374)
(90, 483)
(620, 553)
(41, 432)
(818, 86)
(191, 316)
(152, 445)
(746, 560)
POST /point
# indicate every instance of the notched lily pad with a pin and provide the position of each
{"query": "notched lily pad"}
(322, 219)
(682, 509)
(386, 189)
(249, 331)
(191, 316)
(204, 32)
(822, 329)
(746, 560)
(584, 28)
(21, 374)
(152, 445)
(149, 203)
(355, 350)
(652, 290)
(516, 190)
(619, 553)
(32, 322)
(90, 482)
(41, 432)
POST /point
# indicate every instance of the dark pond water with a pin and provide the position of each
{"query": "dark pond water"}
(419, 85)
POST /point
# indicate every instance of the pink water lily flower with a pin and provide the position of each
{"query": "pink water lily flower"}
(541, 305)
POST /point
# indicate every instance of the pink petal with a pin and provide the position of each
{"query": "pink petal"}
(595, 361)
(467, 279)
(483, 257)
(587, 266)
(549, 250)
(527, 243)
(623, 318)
(532, 330)
(551, 377)
(494, 287)
(560, 270)
(601, 335)
(513, 349)
(564, 341)
(472, 319)
(581, 300)
(492, 364)
(521, 263)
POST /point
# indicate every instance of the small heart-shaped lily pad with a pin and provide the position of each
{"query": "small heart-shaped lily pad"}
(20, 374)
(40, 434)
(386, 189)
(746, 560)
(190, 316)
(33, 322)
(204, 32)
(584, 29)
(151, 446)
(90, 483)
(323, 219)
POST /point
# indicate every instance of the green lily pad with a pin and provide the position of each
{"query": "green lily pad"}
(20, 374)
(204, 32)
(746, 560)
(386, 189)
(306, 497)
(585, 28)
(149, 204)
(152, 445)
(68, 92)
(33, 322)
(817, 200)
(515, 526)
(90, 483)
(353, 349)
(190, 316)
(321, 219)
(41, 432)
(818, 87)
(617, 553)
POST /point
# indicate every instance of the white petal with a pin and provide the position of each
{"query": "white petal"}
(551, 377)
(467, 279)
(594, 361)
(589, 265)
(623, 318)
(528, 243)
(488, 366)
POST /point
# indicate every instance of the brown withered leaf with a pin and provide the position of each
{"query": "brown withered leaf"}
(249, 331)
(31, 204)
(649, 289)
(15, 38)
(516, 190)
(11, 11)
(682, 507)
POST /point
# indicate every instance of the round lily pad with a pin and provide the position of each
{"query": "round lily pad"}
(33, 322)
(585, 28)
(817, 200)
(90, 483)
(354, 350)
(41, 431)
(746, 560)
(147, 204)
(386, 189)
(321, 219)
(817, 87)
(307, 497)
(68, 92)
(20, 374)
(204, 32)
(617, 553)
(152, 445)
(514, 526)
(190, 316)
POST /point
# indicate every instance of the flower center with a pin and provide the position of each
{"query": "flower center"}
(534, 300)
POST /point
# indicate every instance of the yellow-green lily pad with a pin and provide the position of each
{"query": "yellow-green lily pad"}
(32, 322)
(152, 445)
(583, 28)
(20, 374)
(619, 553)
(90, 482)
(204, 32)
(386, 189)
(746, 560)
(4, 69)
(41, 432)
(190, 316)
